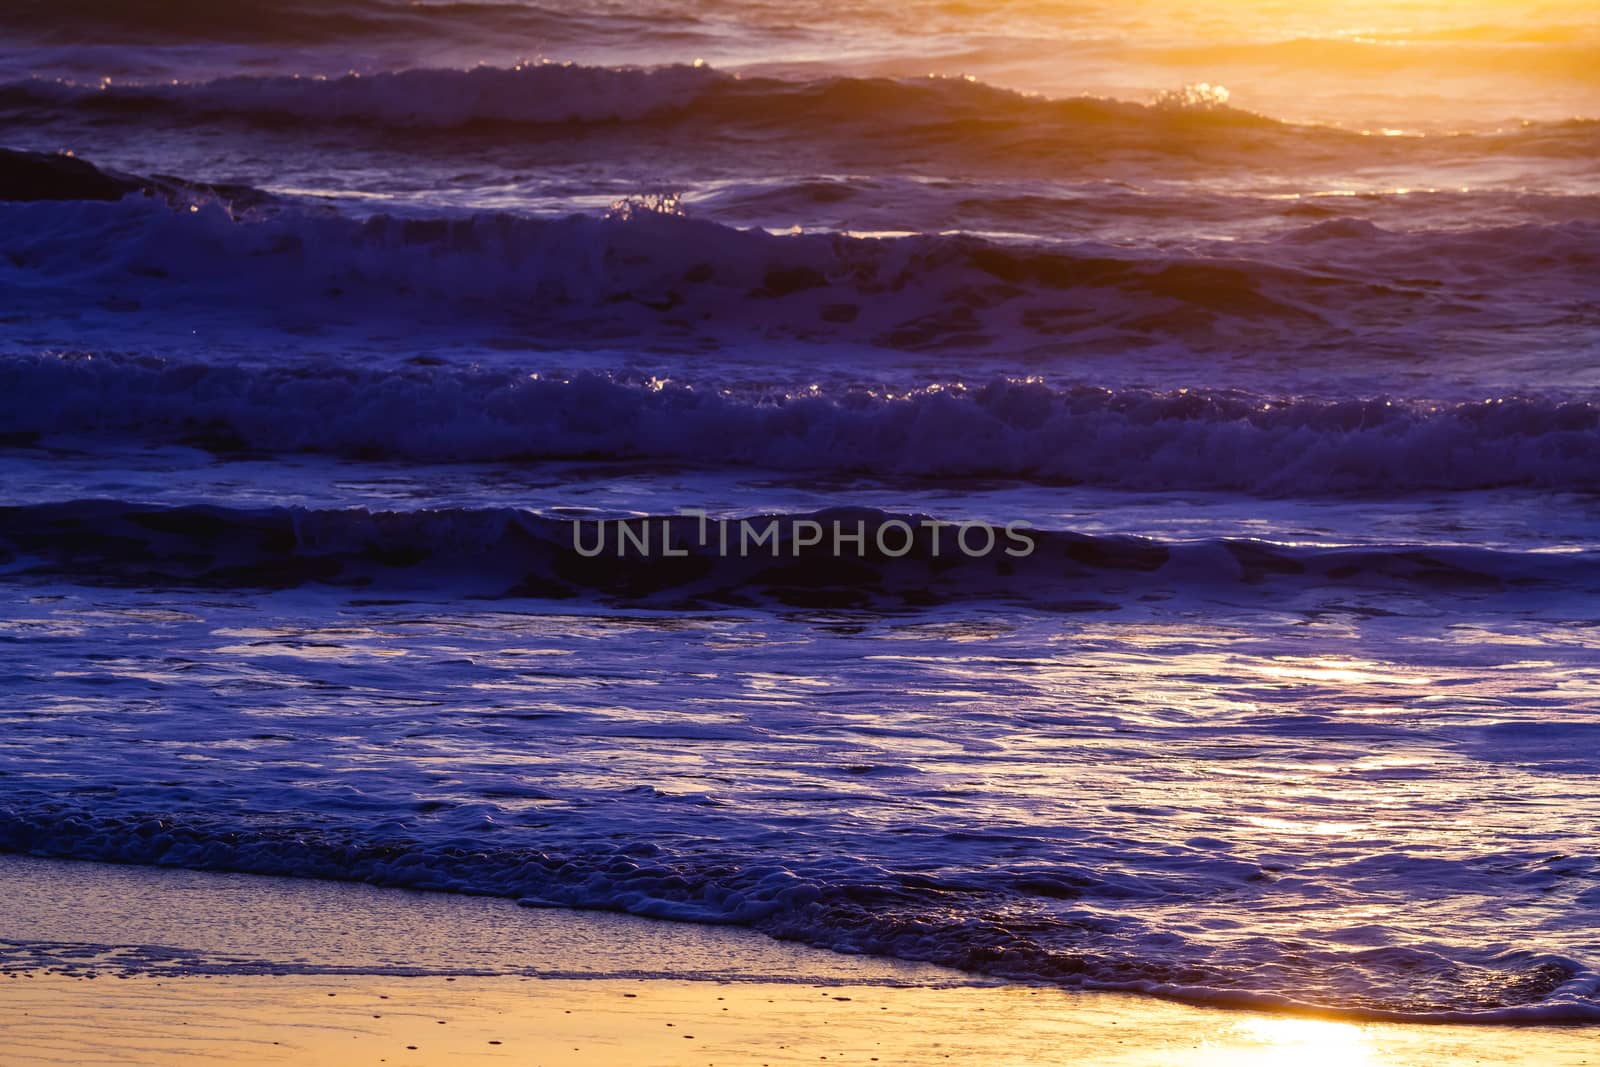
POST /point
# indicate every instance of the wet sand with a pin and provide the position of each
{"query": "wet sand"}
(236, 969)
(352, 1019)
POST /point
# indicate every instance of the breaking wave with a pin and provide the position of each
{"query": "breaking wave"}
(1131, 438)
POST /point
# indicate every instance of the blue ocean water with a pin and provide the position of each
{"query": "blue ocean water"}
(1272, 331)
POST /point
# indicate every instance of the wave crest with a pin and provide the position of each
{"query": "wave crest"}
(1129, 438)
(543, 93)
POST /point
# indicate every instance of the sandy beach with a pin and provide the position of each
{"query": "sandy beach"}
(368, 1020)
(121, 965)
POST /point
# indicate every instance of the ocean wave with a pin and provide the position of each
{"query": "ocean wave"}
(292, 22)
(838, 558)
(1129, 438)
(210, 251)
(34, 176)
(949, 114)
(567, 93)
(1030, 921)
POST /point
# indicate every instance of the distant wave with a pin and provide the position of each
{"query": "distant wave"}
(691, 281)
(1539, 49)
(297, 22)
(949, 114)
(565, 93)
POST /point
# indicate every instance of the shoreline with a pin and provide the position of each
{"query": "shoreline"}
(133, 965)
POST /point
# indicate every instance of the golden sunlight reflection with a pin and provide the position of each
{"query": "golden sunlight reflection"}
(1348, 671)
(1319, 829)
(1287, 1042)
